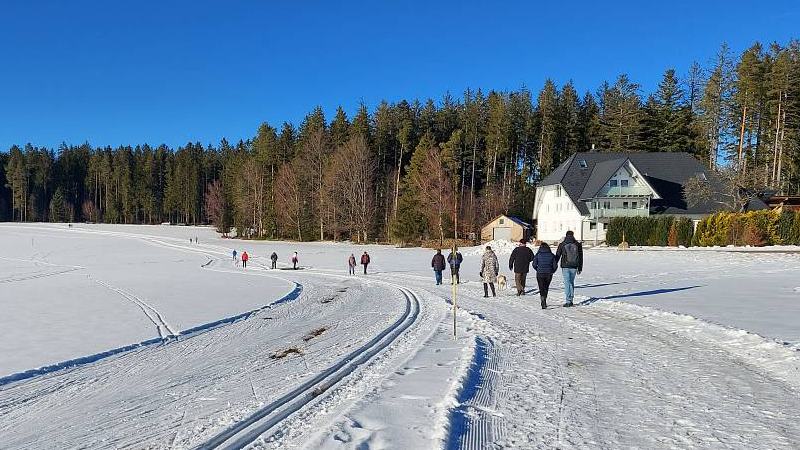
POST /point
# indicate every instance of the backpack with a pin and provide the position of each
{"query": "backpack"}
(570, 254)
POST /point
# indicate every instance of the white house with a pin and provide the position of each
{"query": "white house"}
(588, 189)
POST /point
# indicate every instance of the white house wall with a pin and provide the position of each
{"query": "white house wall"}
(556, 214)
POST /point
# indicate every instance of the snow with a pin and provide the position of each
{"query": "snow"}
(667, 348)
(500, 247)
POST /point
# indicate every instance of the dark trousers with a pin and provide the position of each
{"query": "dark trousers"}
(274, 264)
(454, 275)
(438, 275)
(244, 263)
(519, 280)
(543, 280)
(365, 269)
(486, 287)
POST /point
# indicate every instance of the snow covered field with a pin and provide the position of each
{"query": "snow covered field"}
(668, 349)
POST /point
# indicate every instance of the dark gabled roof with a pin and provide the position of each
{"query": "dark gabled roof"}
(666, 172)
(519, 221)
(600, 176)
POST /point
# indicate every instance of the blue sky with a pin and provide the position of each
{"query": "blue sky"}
(169, 72)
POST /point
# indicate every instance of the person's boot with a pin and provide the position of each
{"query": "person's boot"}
(485, 291)
(494, 294)
(544, 302)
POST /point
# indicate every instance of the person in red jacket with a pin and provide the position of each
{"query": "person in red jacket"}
(245, 257)
(365, 261)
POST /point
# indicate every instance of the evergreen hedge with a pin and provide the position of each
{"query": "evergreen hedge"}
(655, 231)
(755, 228)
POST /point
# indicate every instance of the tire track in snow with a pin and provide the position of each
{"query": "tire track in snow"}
(245, 432)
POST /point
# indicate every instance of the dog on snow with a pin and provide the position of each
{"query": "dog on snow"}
(501, 282)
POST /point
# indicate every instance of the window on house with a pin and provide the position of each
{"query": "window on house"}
(583, 164)
(623, 183)
(602, 226)
(634, 205)
(606, 205)
(624, 205)
(592, 225)
(612, 183)
(558, 191)
(502, 221)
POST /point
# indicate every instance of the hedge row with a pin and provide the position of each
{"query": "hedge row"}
(656, 230)
(755, 228)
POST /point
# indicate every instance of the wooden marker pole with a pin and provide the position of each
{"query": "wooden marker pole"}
(453, 284)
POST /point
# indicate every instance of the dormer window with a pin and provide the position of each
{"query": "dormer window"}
(583, 164)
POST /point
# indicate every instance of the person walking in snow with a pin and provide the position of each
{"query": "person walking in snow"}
(438, 264)
(351, 264)
(365, 261)
(545, 264)
(489, 270)
(295, 260)
(520, 262)
(245, 257)
(570, 253)
(454, 259)
(274, 258)
(234, 255)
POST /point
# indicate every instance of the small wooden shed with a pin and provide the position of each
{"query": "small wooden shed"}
(506, 228)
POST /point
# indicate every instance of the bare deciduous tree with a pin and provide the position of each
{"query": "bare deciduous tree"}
(288, 201)
(435, 190)
(730, 189)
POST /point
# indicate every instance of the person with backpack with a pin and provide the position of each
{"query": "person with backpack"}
(489, 270)
(438, 266)
(545, 264)
(351, 264)
(454, 259)
(520, 262)
(274, 258)
(365, 261)
(245, 257)
(570, 253)
(295, 260)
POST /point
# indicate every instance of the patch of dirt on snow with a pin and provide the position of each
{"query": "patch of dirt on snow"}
(284, 353)
(315, 333)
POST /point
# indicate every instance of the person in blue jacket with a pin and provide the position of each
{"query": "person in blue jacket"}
(455, 259)
(545, 263)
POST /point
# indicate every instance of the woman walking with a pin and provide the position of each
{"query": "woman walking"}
(351, 264)
(545, 263)
(489, 269)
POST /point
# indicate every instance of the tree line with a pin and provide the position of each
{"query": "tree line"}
(414, 170)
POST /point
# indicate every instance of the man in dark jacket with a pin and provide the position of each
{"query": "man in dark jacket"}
(520, 263)
(438, 266)
(454, 259)
(570, 253)
(365, 261)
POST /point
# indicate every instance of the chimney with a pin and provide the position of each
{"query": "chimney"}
(592, 147)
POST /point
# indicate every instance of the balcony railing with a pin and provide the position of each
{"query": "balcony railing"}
(618, 212)
(628, 191)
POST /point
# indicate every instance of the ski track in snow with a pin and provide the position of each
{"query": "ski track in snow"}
(241, 431)
(163, 328)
